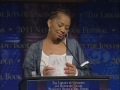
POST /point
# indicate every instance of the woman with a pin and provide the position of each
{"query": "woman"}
(55, 43)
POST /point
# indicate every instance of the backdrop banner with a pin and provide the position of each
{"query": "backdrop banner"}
(94, 24)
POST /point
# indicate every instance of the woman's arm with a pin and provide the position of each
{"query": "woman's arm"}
(29, 64)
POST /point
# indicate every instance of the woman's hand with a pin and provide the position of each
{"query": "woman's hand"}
(47, 70)
(70, 69)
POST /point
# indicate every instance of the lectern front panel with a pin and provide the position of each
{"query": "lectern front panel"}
(68, 84)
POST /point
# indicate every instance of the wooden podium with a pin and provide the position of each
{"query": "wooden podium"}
(65, 83)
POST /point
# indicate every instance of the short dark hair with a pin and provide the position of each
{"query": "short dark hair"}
(54, 13)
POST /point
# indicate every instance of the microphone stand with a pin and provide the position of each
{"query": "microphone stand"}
(82, 66)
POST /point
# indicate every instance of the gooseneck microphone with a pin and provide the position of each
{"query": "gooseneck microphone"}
(81, 66)
(84, 66)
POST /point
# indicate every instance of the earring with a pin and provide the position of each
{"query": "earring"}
(49, 29)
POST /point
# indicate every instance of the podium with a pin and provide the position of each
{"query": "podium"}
(65, 83)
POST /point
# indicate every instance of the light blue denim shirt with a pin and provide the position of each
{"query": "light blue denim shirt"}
(33, 57)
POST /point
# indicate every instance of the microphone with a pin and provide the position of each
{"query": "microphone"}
(61, 39)
(81, 66)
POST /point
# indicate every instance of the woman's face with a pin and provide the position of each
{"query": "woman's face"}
(59, 26)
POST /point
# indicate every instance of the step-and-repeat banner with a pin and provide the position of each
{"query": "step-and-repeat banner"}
(94, 24)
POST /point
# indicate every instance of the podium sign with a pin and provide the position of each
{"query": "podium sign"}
(65, 83)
